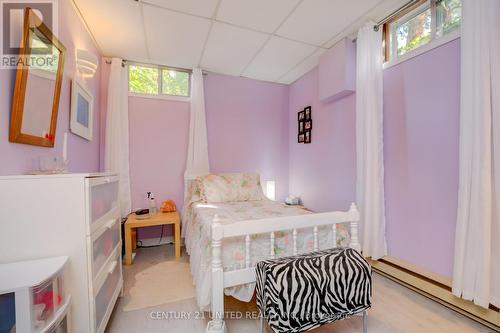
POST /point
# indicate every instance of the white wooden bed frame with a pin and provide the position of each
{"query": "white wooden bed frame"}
(221, 279)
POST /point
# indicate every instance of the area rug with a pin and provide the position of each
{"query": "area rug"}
(165, 282)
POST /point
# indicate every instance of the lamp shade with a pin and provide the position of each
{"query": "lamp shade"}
(86, 63)
(269, 188)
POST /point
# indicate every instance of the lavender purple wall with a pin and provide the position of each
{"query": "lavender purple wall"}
(247, 128)
(82, 154)
(421, 131)
(322, 173)
(421, 123)
(247, 131)
(159, 131)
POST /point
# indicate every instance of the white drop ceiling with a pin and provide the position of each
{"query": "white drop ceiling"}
(270, 40)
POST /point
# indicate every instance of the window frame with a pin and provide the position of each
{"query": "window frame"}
(405, 16)
(160, 94)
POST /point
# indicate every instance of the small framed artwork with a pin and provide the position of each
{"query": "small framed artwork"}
(81, 122)
(301, 127)
(307, 137)
(308, 125)
(304, 127)
(307, 112)
(301, 115)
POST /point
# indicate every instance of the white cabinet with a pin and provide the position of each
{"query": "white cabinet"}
(74, 215)
(33, 297)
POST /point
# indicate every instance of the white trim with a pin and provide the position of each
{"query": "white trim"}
(161, 96)
(424, 48)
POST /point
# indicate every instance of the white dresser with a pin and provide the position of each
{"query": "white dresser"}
(74, 215)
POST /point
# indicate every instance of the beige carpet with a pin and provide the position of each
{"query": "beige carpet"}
(161, 283)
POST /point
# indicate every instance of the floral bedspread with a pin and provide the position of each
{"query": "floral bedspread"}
(198, 218)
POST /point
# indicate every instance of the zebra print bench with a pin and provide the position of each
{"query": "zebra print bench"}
(299, 293)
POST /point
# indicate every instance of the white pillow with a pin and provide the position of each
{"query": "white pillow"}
(230, 187)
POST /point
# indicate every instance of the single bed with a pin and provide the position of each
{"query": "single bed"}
(229, 223)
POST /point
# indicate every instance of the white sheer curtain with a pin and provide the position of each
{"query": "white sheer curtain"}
(477, 245)
(197, 157)
(116, 146)
(369, 142)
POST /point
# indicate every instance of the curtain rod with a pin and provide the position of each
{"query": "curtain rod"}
(123, 62)
(169, 67)
(395, 13)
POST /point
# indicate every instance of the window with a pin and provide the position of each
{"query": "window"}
(155, 80)
(424, 22)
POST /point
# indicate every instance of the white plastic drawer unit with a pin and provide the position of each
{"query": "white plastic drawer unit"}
(61, 326)
(32, 295)
(109, 285)
(102, 195)
(104, 241)
(47, 298)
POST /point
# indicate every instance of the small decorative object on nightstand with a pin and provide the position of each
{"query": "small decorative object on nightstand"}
(158, 218)
(292, 200)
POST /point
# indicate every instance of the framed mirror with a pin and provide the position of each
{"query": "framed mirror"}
(38, 84)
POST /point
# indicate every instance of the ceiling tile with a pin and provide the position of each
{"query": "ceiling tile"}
(174, 39)
(304, 67)
(229, 48)
(116, 26)
(205, 8)
(317, 21)
(261, 15)
(376, 14)
(276, 58)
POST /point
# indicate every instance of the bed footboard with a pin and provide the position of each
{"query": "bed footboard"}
(221, 279)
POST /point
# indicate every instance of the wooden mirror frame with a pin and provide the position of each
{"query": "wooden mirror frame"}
(16, 118)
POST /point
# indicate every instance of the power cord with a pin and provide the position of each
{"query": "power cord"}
(159, 243)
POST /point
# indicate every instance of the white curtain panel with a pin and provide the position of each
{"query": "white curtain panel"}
(116, 146)
(477, 246)
(197, 157)
(369, 142)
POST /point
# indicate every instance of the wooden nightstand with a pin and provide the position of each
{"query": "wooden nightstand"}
(156, 219)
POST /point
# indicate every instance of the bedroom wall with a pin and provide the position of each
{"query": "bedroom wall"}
(82, 154)
(421, 137)
(247, 128)
(322, 173)
(421, 122)
(247, 131)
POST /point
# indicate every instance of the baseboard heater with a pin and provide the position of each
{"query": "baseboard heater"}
(435, 288)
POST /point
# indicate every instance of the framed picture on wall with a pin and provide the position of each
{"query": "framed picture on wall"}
(308, 125)
(301, 127)
(301, 115)
(307, 137)
(301, 138)
(82, 113)
(307, 113)
(304, 125)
